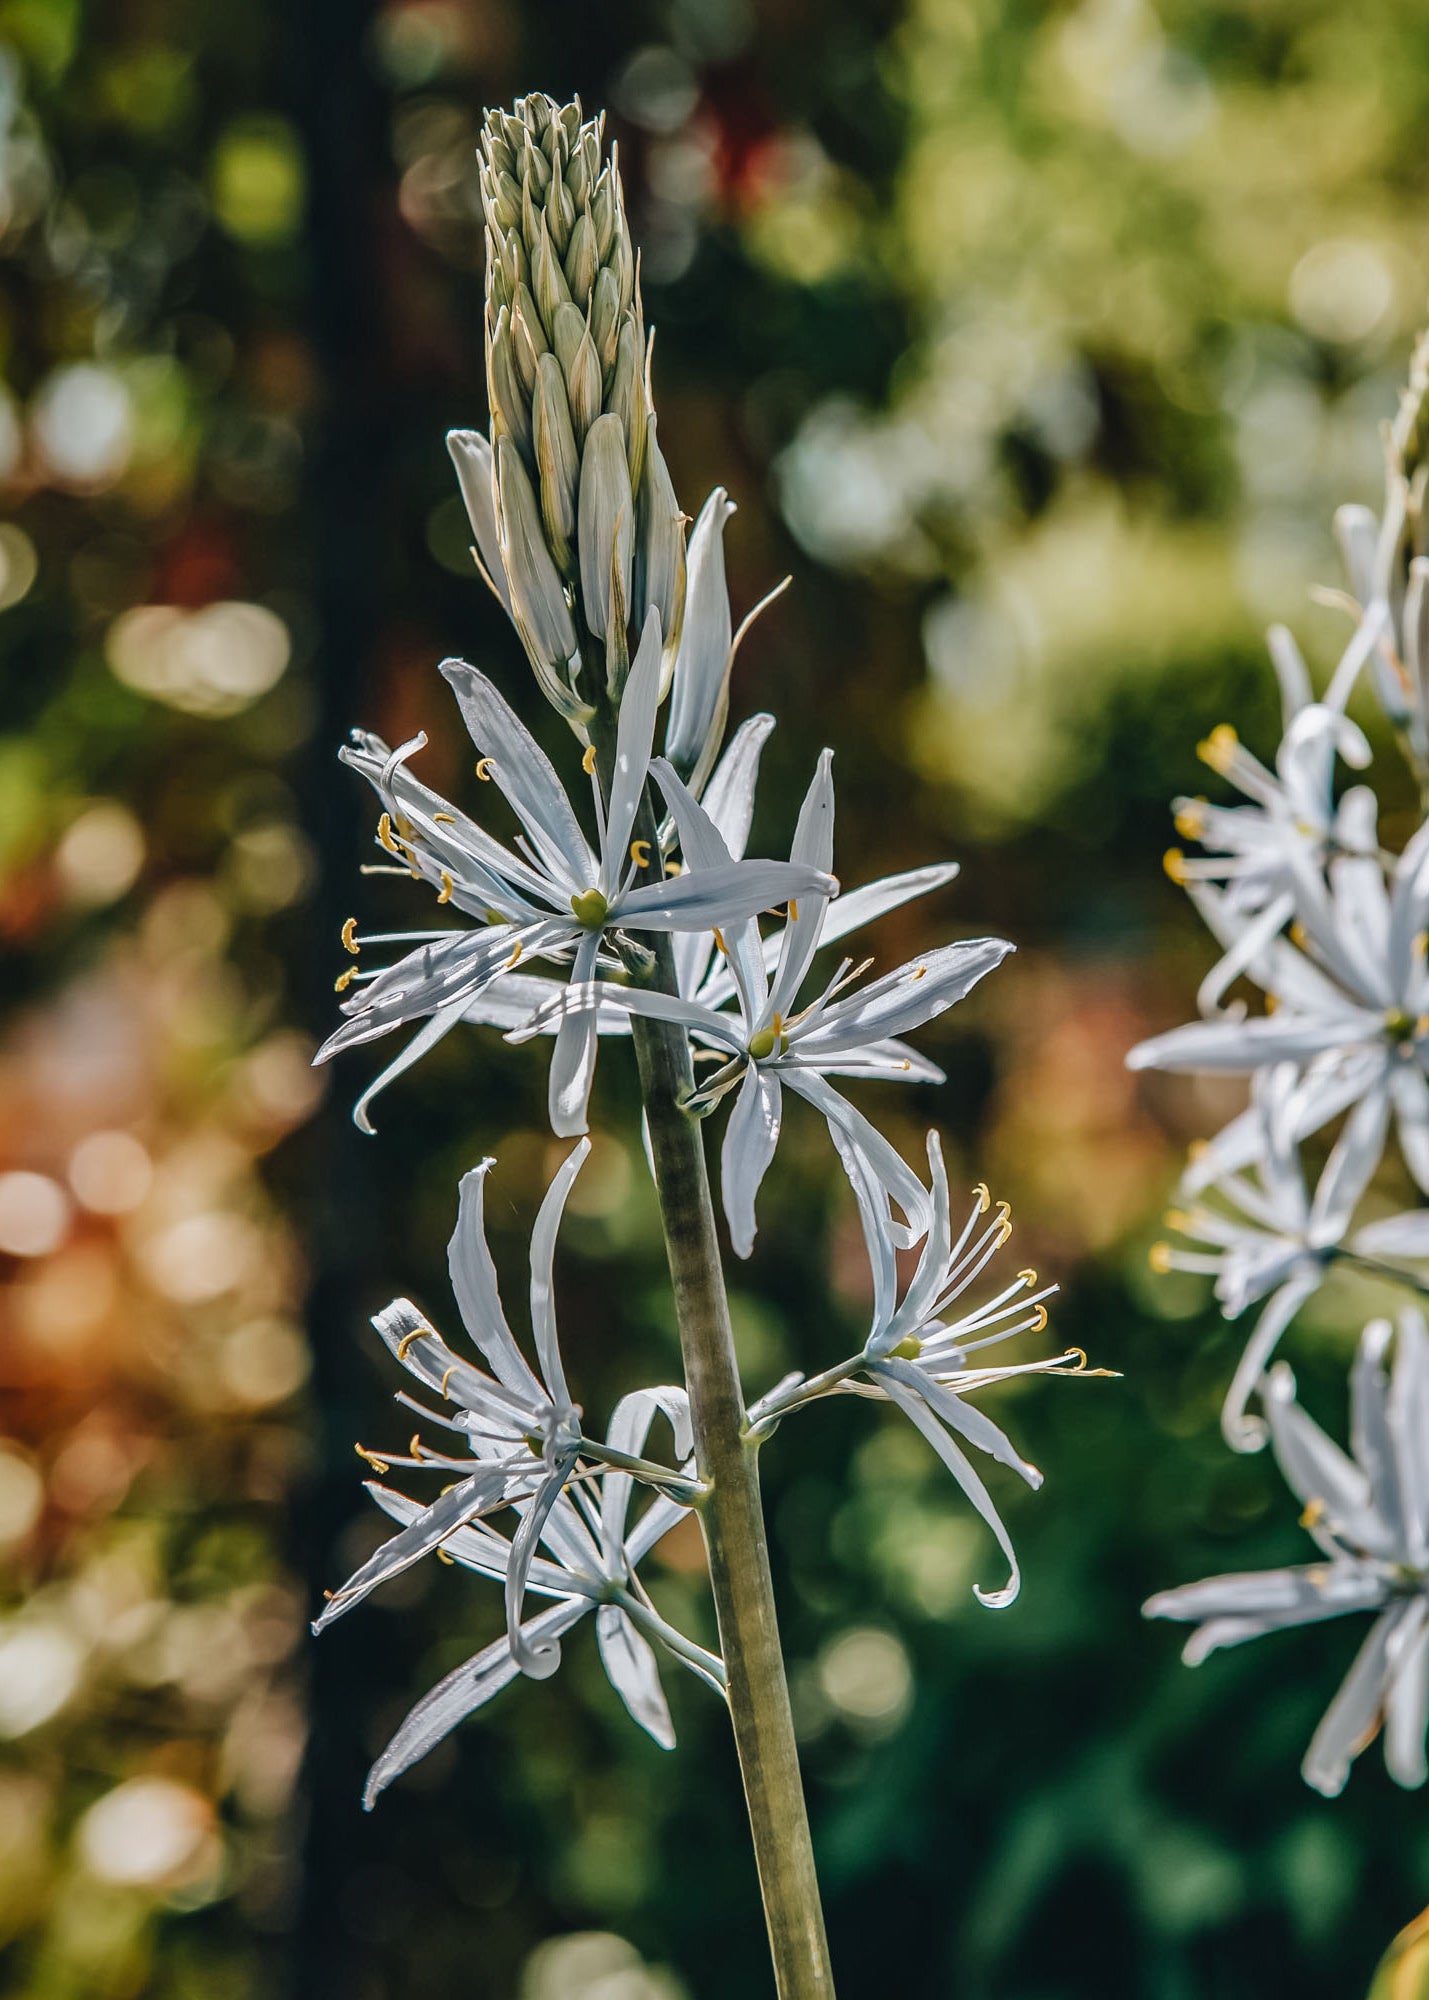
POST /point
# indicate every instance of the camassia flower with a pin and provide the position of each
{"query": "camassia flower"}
(1270, 1238)
(747, 1012)
(522, 1427)
(1349, 989)
(591, 1566)
(1369, 1516)
(916, 1353)
(552, 896)
(1254, 850)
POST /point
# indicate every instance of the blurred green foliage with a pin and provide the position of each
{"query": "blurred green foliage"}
(1038, 341)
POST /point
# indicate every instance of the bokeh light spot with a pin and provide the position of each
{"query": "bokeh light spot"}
(82, 422)
(34, 1214)
(110, 1172)
(145, 1832)
(100, 855)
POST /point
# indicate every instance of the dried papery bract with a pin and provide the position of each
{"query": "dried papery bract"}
(627, 909)
(1309, 908)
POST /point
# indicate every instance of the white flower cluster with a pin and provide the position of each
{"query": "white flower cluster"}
(628, 911)
(1310, 910)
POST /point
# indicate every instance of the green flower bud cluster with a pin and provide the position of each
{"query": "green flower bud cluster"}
(590, 532)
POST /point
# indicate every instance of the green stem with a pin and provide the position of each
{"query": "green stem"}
(732, 1514)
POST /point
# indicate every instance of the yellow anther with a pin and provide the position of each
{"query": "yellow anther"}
(417, 1333)
(793, 910)
(447, 886)
(377, 1464)
(443, 819)
(1159, 1257)
(588, 760)
(1004, 1221)
(1272, 1002)
(1028, 1277)
(640, 853)
(1314, 1513)
(1174, 862)
(918, 972)
(984, 1199)
(1198, 1149)
(720, 944)
(483, 770)
(673, 868)
(1219, 748)
(404, 826)
(443, 1557)
(415, 1447)
(1176, 1218)
(447, 1378)
(328, 1596)
(1081, 1358)
(385, 839)
(1040, 1321)
(1421, 944)
(516, 952)
(344, 980)
(349, 936)
(1191, 820)
(1298, 934)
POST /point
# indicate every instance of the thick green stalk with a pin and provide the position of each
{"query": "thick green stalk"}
(732, 1514)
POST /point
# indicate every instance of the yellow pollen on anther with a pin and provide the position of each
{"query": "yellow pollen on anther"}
(417, 1333)
(385, 839)
(1004, 1221)
(516, 953)
(588, 760)
(1159, 1257)
(1081, 1357)
(344, 980)
(377, 1464)
(443, 1557)
(1314, 1513)
(1297, 934)
(640, 853)
(720, 944)
(1174, 862)
(447, 886)
(443, 819)
(1272, 1001)
(918, 972)
(1219, 747)
(404, 826)
(1421, 944)
(349, 936)
(1191, 820)
(673, 868)
(793, 910)
(1198, 1149)
(447, 1378)
(483, 770)
(1175, 1218)
(415, 1447)
(984, 1199)
(1028, 1277)
(1040, 1321)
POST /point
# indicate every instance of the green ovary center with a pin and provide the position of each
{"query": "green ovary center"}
(769, 1041)
(590, 908)
(908, 1348)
